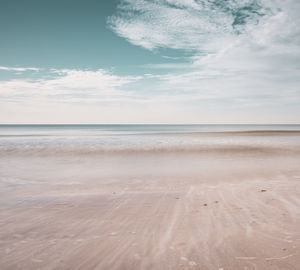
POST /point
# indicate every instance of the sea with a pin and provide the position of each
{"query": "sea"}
(105, 138)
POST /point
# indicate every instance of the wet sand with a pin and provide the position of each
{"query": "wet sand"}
(228, 210)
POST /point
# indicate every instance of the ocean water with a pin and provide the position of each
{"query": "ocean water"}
(103, 138)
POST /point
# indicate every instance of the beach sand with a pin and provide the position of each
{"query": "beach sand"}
(227, 210)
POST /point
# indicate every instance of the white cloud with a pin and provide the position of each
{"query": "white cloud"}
(69, 96)
(245, 53)
(19, 69)
(189, 25)
(67, 85)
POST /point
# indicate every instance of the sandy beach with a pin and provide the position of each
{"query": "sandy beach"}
(150, 135)
(151, 210)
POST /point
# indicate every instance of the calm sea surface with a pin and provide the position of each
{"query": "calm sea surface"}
(115, 137)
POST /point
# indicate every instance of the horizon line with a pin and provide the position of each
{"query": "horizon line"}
(120, 124)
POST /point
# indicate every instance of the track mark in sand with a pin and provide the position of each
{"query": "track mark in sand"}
(245, 258)
(282, 258)
(169, 232)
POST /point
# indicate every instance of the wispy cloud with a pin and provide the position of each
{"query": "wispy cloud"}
(188, 24)
(245, 52)
(67, 85)
(19, 69)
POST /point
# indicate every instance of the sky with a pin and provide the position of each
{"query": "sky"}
(150, 61)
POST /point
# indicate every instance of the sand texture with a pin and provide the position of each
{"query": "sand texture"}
(151, 211)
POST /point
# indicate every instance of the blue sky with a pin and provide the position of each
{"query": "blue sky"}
(142, 61)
